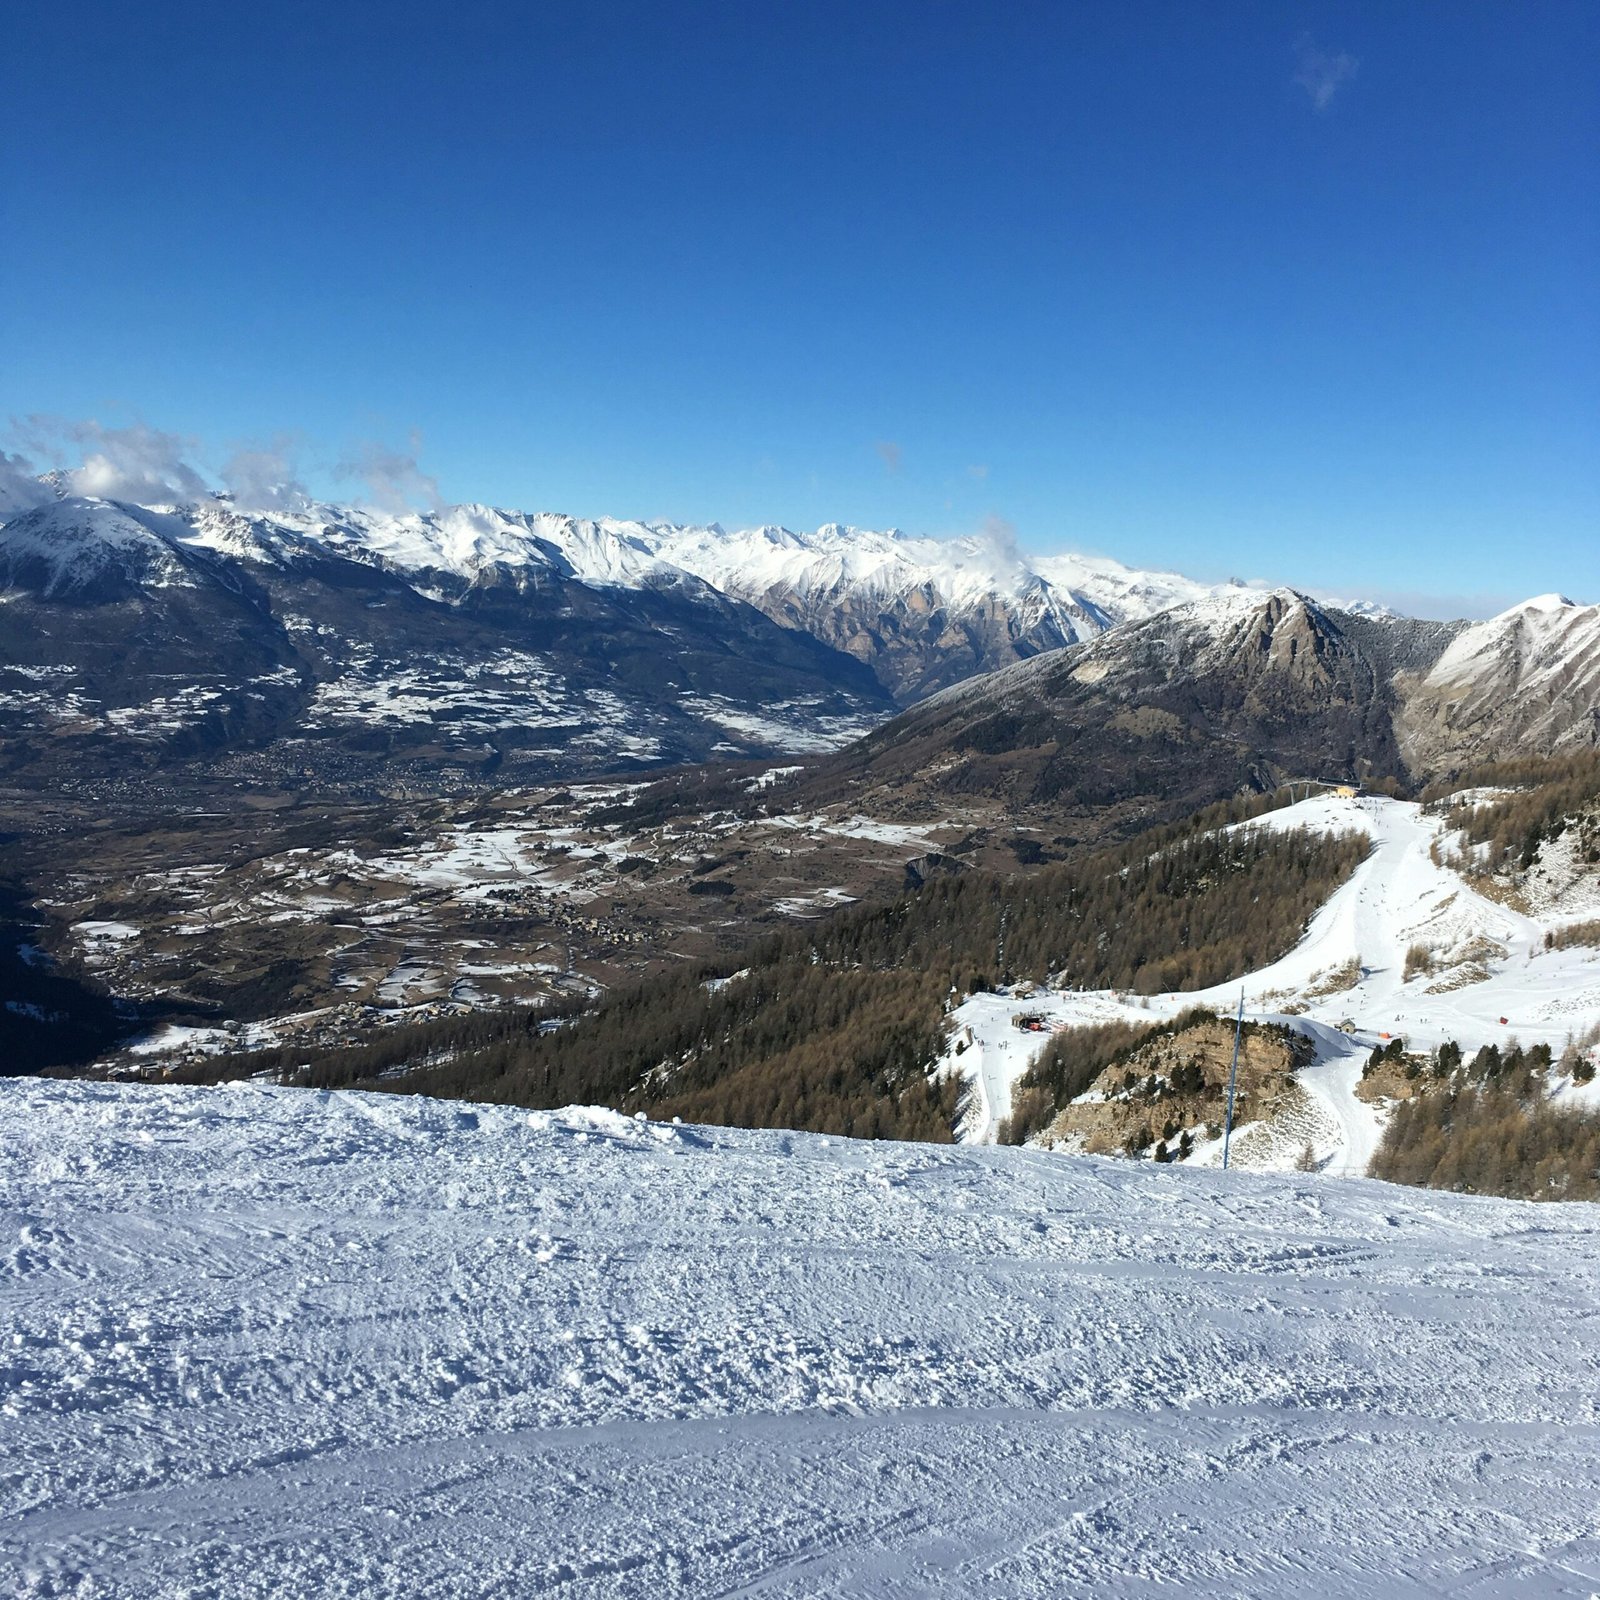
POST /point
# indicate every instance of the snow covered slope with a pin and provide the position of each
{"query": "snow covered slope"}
(1529, 677)
(1490, 963)
(89, 549)
(888, 565)
(263, 1342)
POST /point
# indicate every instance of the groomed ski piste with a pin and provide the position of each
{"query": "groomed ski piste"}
(268, 1342)
(1399, 896)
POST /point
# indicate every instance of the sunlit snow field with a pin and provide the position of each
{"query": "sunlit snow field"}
(268, 1342)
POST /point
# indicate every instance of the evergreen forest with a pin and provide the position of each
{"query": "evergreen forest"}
(835, 1025)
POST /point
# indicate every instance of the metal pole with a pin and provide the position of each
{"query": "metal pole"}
(1233, 1076)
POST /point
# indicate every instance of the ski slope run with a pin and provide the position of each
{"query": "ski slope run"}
(270, 1342)
(1397, 897)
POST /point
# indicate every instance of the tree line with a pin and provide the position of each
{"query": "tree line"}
(1486, 1125)
(1548, 796)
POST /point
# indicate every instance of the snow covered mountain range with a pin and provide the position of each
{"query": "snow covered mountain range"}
(539, 645)
(922, 612)
(957, 606)
(531, 645)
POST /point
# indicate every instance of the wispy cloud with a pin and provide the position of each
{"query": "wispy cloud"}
(891, 453)
(263, 477)
(1001, 537)
(980, 472)
(137, 462)
(1322, 73)
(20, 489)
(394, 478)
(149, 466)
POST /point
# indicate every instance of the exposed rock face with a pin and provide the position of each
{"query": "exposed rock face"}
(1240, 690)
(1180, 1082)
(917, 641)
(1390, 1080)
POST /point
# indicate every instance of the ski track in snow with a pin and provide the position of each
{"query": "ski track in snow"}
(1395, 898)
(273, 1342)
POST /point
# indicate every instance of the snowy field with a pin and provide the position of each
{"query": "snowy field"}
(268, 1342)
(1494, 981)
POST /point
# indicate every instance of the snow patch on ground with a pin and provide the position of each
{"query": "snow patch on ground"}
(813, 905)
(872, 829)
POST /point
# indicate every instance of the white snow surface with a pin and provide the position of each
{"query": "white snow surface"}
(1543, 637)
(272, 1342)
(81, 541)
(1082, 594)
(1492, 966)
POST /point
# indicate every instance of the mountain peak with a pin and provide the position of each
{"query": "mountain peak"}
(1539, 603)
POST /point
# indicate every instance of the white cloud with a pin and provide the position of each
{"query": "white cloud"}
(262, 477)
(20, 488)
(1001, 537)
(394, 478)
(137, 463)
(147, 466)
(1322, 73)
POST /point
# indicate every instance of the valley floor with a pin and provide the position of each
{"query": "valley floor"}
(268, 1342)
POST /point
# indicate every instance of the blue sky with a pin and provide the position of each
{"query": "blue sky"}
(1295, 291)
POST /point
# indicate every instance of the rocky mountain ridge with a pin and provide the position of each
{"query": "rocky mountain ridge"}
(1245, 689)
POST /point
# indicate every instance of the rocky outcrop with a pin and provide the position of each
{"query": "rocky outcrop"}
(1178, 1084)
(916, 642)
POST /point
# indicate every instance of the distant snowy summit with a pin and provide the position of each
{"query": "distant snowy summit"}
(922, 612)
(919, 612)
